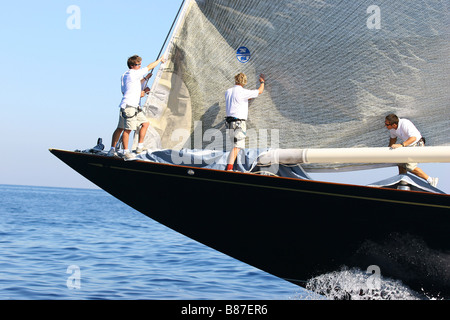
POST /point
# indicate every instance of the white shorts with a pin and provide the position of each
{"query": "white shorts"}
(238, 133)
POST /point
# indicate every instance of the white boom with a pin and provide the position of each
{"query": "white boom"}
(356, 155)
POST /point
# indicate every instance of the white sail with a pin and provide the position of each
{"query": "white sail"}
(334, 70)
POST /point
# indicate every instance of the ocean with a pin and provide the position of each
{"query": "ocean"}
(62, 243)
(84, 244)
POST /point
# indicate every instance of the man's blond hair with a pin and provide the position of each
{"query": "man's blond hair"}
(240, 79)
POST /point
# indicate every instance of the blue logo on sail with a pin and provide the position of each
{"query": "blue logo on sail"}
(243, 54)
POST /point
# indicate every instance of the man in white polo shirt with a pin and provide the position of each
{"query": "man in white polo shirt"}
(236, 100)
(411, 137)
(131, 117)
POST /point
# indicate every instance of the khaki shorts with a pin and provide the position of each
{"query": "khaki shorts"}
(132, 121)
(238, 133)
(411, 166)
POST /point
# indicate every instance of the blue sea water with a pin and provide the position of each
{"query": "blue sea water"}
(61, 243)
(84, 244)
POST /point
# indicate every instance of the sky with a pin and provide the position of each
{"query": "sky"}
(61, 83)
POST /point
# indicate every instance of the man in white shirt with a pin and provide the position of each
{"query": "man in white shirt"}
(411, 137)
(236, 100)
(131, 117)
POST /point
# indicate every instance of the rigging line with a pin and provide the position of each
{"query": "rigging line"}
(171, 27)
(167, 37)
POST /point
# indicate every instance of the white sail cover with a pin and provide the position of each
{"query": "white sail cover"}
(334, 70)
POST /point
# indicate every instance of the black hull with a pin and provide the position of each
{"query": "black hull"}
(293, 229)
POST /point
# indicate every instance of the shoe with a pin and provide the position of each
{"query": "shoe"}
(129, 155)
(140, 150)
(434, 182)
(112, 153)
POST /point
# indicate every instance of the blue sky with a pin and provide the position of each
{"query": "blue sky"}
(61, 86)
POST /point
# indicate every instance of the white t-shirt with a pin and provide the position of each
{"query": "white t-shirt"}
(405, 130)
(131, 87)
(236, 99)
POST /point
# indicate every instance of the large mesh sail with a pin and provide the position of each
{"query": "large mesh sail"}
(334, 70)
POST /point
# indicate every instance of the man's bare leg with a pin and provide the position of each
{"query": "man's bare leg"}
(126, 138)
(116, 137)
(232, 158)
